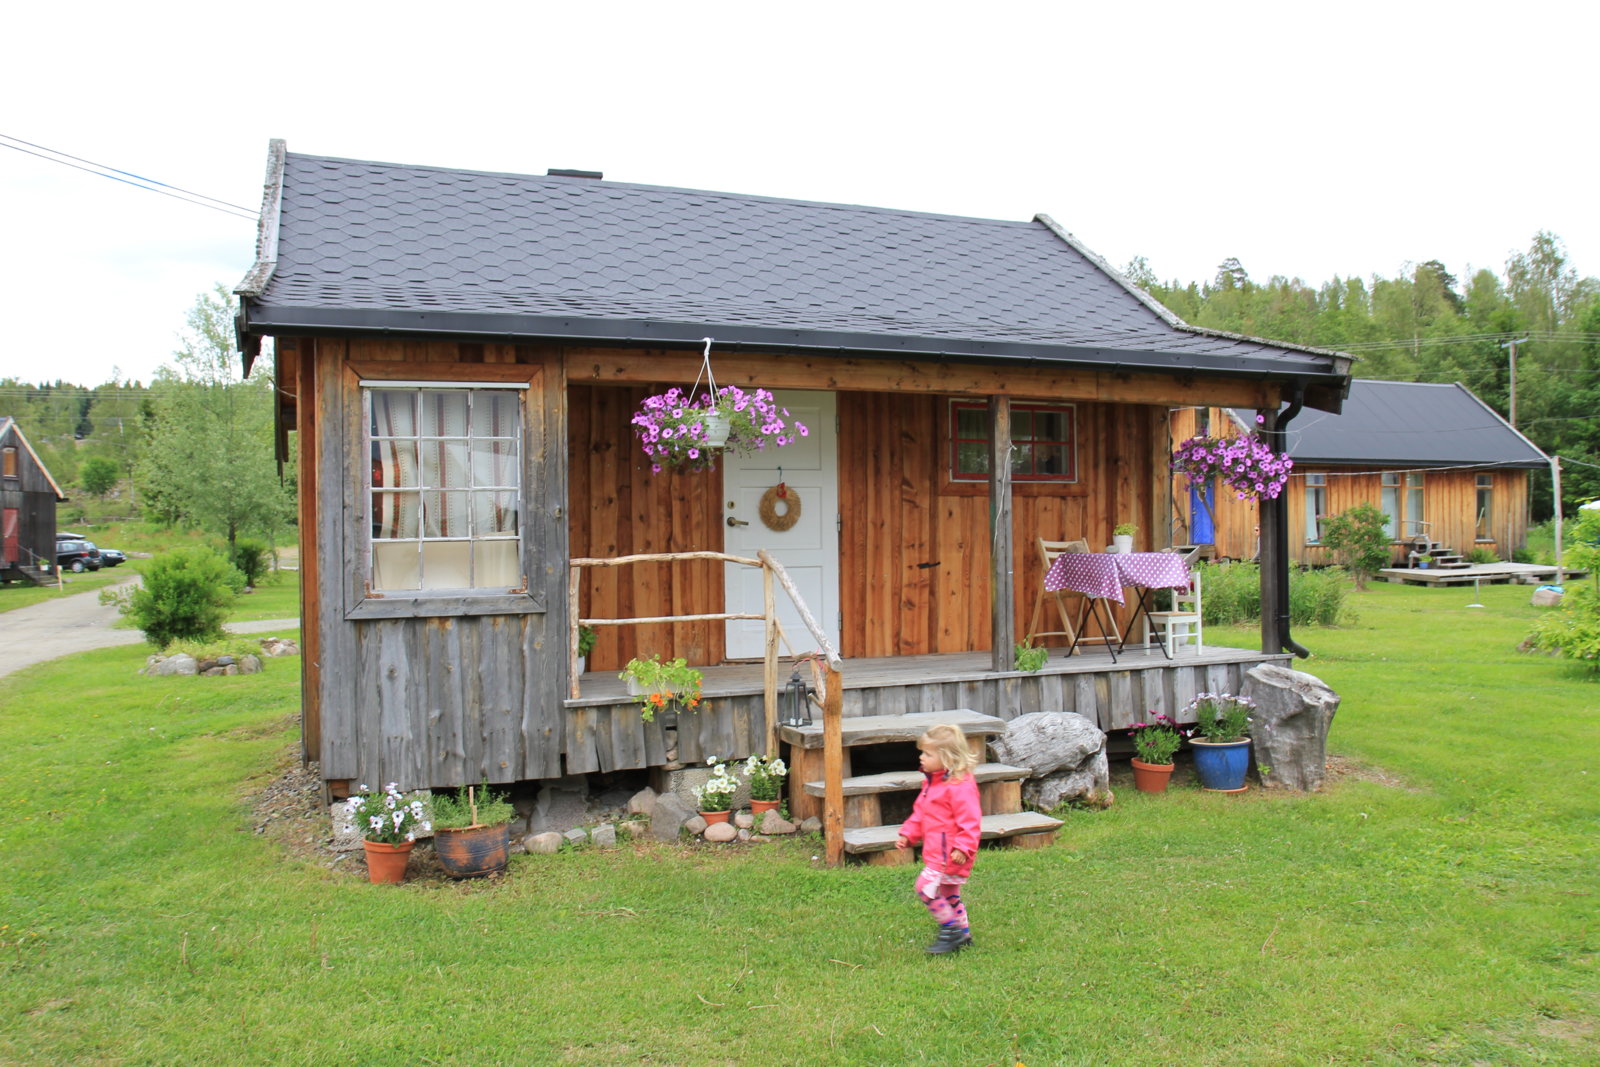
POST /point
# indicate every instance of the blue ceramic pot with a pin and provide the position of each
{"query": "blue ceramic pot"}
(1221, 765)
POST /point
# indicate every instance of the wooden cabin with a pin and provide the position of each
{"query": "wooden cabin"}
(28, 499)
(1438, 462)
(505, 328)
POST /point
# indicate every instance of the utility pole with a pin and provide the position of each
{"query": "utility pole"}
(1555, 479)
(1513, 404)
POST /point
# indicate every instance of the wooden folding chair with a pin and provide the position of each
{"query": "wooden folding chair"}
(1048, 551)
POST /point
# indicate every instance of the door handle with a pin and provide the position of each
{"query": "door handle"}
(736, 522)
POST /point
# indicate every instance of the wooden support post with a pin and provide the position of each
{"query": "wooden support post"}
(833, 767)
(769, 667)
(574, 583)
(1003, 624)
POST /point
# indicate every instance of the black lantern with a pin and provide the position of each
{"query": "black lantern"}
(798, 701)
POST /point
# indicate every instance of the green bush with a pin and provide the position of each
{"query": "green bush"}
(1317, 598)
(1231, 595)
(1573, 628)
(185, 595)
(1521, 555)
(251, 557)
(1482, 555)
(1358, 537)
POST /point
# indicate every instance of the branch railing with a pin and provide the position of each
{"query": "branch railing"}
(773, 576)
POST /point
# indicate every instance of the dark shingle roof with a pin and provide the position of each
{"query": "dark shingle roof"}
(379, 246)
(1422, 424)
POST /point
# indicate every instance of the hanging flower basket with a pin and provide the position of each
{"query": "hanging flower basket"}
(1245, 464)
(688, 429)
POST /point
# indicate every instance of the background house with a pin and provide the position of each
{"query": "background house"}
(28, 499)
(1433, 457)
(460, 354)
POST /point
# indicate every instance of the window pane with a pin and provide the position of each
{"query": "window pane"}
(1391, 478)
(1313, 509)
(444, 414)
(494, 463)
(1021, 458)
(1390, 505)
(395, 515)
(1414, 478)
(972, 423)
(494, 514)
(444, 464)
(396, 565)
(393, 413)
(1021, 424)
(1051, 459)
(972, 458)
(1050, 426)
(494, 414)
(495, 565)
(445, 515)
(446, 564)
(394, 464)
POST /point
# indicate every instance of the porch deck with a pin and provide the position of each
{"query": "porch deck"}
(1487, 573)
(604, 731)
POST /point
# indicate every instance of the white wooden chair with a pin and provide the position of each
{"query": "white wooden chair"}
(1048, 551)
(1180, 624)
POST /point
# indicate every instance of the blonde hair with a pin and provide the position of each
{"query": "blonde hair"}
(950, 745)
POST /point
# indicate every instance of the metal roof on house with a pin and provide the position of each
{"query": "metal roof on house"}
(349, 245)
(1417, 424)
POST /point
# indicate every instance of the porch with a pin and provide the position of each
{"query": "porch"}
(604, 732)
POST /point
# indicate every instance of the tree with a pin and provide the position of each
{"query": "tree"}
(98, 475)
(1358, 536)
(209, 459)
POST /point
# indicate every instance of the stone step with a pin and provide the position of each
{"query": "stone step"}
(880, 729)
(899, 781)
(995, 827)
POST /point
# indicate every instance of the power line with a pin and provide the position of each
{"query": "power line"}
(149, 185)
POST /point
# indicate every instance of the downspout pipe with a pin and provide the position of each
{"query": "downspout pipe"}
(1280, 507)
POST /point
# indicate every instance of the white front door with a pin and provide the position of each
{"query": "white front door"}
(808, 550)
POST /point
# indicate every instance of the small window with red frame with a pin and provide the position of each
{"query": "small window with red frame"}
(1042, 438)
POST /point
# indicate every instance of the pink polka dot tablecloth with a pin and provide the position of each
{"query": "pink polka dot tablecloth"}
(1104, 574)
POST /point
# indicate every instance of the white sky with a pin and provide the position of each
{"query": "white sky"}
(1305, 139)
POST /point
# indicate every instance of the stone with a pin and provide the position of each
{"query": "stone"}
(683, 782)
(206, 666)
(279, 646)
(1048, 741)
(667, 816)
(744, 820)
(575, 836)
(180, 663)
(1088, 784)
(562, 804)
(346, 838)
(1289, 729)
(1545, 597)
(722, 832)
(812, 825)
(744, 834)
(547, 842)
(224, 661)
(250, 665)
(604, 835)
(696, 825)
(639, 803)
(773, 823)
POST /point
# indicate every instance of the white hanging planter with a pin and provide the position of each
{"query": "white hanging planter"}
(716, 426)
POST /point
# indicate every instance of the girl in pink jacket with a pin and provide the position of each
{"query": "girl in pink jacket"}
(945, 821)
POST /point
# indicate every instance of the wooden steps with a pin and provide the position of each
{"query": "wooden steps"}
(865, 795)
(867, 839)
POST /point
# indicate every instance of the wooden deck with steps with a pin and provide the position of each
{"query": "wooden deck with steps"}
(865, 831)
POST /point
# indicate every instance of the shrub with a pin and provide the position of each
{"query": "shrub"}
(1317, 598)
(1232, 595)
(1358, 537)
(251, 557)
(185, 595)
(1482, 555)
(1573, 628)
(1522, 555)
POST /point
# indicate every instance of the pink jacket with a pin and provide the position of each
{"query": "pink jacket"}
(946, 817)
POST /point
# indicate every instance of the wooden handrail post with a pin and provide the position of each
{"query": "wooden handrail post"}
(769, 666)
(574, 583)
(833, 768)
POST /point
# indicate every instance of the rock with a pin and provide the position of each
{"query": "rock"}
(224, 661)
(346, 838)
(639, 803)
(181, 663)
(230, 670)
(545, 843)
(812, 825)
(562, 803)
(1088, 784)
(206, 666)
(604, 835)
(722, 832)
(682, 782)
(609, 801)
(773, 823)
(1048, 741)
(575, 836)
(667, 816)
(744, 820)
(696, 824)
(1545, 597)
(745, 835)
(1290, 726)
(279, 646)
(250, 665)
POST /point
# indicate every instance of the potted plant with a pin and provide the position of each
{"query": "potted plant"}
(658, 684)
(1245, 464)
(1029, 657)
(389, 824)
(1156, 743)
(1122, 537)
(676, 429)
(766, 774)
(1222, 741)
(472, 831)
(587, 636)
(715, 797)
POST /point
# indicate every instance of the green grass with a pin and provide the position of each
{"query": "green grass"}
(1438, 908)
(277, 597)
(18, 595)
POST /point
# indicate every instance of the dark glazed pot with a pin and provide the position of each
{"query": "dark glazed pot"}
(473, 851)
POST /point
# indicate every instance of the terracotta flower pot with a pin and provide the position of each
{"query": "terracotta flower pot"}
(473, 851)
(386, 864)
(758, 807)
(715, 816)
(1151, 777)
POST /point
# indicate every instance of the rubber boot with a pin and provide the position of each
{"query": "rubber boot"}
(951, 939)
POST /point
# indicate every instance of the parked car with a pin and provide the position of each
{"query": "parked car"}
(77, 556)
(60, 536)
(110, 557)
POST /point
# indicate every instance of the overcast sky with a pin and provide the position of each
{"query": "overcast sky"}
(1305, 139)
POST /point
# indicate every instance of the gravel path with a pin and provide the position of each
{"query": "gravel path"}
(80, 623)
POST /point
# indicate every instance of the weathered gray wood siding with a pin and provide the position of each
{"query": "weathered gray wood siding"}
(439, 692)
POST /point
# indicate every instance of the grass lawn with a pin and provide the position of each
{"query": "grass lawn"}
(1440, 905)
(19, 595)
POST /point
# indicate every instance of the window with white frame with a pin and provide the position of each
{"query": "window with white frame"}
(1485, 507)
(1413, 523)
(1316, 506)
(445, 487)
(1389, 503)
(1042, 438)
(1401, 504)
